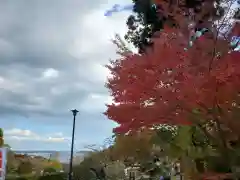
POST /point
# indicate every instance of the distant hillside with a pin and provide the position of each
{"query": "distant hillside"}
(47, 151)
(63, 156)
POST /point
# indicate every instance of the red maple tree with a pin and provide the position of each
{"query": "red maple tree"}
(164, 85)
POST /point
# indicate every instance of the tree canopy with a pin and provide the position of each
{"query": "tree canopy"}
(150, 16)
(195, 88)
(152, 90)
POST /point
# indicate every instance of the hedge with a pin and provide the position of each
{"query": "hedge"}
(52, 176)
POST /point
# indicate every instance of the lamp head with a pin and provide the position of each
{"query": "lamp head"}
(74, 111)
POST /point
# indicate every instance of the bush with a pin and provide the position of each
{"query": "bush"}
(82, 172)
(56, 165)
(25, 167)
(18, 178)
(1, 132)
(21, 178)
(1, 138)
(55, 176)
(49, 170)
(58, 176)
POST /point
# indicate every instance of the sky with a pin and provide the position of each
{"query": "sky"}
(52, 57)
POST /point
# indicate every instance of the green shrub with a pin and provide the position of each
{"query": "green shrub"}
(218, 164)
(16, 178)
(49, 170)
(58, 176)
(56, 165)
(1, 138)
(21, 178)
(25, 167)
(1, 132)
(55, 176)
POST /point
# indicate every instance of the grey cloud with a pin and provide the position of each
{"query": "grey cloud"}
(39, 32)
(35, 35)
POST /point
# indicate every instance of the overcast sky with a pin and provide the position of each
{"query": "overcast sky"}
(52, 54)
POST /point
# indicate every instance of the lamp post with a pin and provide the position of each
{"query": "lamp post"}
(74, 111)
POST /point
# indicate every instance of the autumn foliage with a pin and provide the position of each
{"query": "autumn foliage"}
(165, 84)
(173, 83)
(136, 146)
(1, 138)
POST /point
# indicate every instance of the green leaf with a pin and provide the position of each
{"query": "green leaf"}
(183, 137)
(1, 132)
(175, 151)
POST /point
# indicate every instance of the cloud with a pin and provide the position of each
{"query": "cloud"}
(19, 132)
(52, 57)
(27, 135)
(52, 60)
(50, 73)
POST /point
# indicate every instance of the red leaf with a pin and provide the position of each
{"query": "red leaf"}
(165, 84)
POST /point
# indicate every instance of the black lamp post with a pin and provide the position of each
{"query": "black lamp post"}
(73, 133)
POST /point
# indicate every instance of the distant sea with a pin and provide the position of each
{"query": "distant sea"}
(63, 156)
